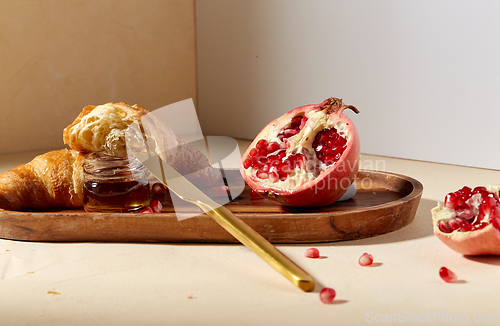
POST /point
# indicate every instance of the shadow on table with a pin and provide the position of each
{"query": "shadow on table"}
(490, 260)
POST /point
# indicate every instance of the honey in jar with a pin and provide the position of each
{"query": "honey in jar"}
(114, 184)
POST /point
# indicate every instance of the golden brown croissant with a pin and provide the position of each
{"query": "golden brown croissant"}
(53, 179)
(103, 128)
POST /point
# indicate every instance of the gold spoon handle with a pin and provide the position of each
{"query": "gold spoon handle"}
(258, 244)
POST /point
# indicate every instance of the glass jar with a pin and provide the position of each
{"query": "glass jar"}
(114, 184)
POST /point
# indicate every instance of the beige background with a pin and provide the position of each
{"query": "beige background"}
(58, 56)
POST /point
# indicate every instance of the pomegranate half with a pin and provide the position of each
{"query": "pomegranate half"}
(469, 220)
(307, 157)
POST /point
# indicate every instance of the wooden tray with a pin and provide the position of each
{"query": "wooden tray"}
(385, 202)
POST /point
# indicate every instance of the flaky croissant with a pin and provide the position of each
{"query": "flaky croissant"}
(104, 128)
(53, 179)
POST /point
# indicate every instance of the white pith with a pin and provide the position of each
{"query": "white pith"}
(441, 213)
(317, 121)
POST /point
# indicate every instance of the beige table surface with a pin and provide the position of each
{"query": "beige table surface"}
(211, 284)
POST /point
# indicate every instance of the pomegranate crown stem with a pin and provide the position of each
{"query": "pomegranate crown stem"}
(334, 104)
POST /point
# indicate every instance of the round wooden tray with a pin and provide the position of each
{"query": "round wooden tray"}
(385, 202)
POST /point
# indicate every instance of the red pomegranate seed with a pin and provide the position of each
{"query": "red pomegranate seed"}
(273, 176)
(147, 210)
(450, 201)
(252, 152)
(447, 275)
(261, 144)
(444, 227)
(327, 295)
(255, 195)
(466, 191)
(303, 122)
(156, 206)
(262, 175)
(296, 121)
(290, 132)
(247, 163)
(365, 259)
(221, 191)
(262, 152)
(466, 214)
(456, 224)
(312, 253)
(479, 190)
(273, 147)
(158, 188)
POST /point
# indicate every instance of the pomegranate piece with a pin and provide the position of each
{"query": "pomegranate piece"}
(255, 195)
(156, 206)
(158, 188)
(307, 157)
(447, 275)
(469, 220)
(147, 210)
(327, 295)
(312, 253)
(365, 259)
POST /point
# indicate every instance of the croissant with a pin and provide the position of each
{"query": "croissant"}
(53, 179)
(104, 128)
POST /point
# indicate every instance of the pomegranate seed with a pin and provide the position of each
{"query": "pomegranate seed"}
(296, 121)
(158, 188)
(466, 227)
(284, 168)
(456, 224)
(444, 227)
(450, 200)
(447, 275)
(221, 191)
(147, 210)
(262, 175)
(327, 295)
(466, 214)
(311, 253)
(466, 191)
(247, 163)
(479, 189)
(262, 152)
(273, 176)
(255, 195)
(282, 154)
(365, 259)
(273, 147)
(261, 144)
(252, 152)
(329, 159)
(290, 132)
(303, 123)
(156, 206)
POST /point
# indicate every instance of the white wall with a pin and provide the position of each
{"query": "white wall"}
(424, 74)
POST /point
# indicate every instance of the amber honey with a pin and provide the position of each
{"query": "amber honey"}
(113, 184)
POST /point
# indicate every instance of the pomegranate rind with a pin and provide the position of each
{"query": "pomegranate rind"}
(331, 184)
(485, 241)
